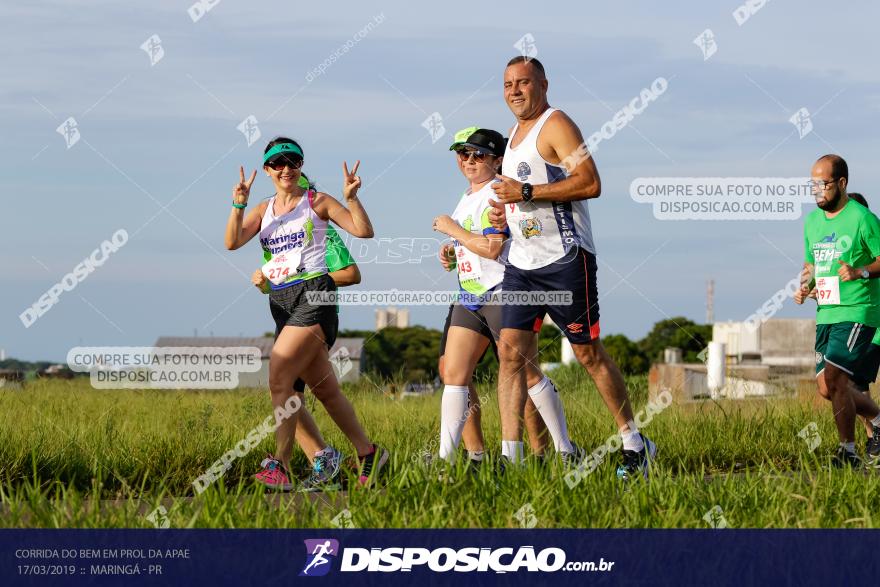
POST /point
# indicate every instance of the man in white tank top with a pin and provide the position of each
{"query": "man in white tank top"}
(548, 176)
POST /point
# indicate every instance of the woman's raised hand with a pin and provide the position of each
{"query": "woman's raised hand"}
(242, 190)
(351, 182)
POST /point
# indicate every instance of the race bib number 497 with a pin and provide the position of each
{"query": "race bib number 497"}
(828, 290)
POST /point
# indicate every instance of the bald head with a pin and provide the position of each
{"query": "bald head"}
(837, 166)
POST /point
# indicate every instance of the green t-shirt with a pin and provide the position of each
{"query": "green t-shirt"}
(853, 236)
(337, 255)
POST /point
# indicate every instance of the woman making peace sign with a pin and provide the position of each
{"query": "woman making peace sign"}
(292, 226)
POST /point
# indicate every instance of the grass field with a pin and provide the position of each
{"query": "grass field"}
(72, 456)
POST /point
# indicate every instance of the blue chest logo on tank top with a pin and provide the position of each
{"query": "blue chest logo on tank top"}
(523, 171)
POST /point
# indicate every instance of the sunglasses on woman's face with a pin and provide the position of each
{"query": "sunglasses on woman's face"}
(466, 154)
(280, 164)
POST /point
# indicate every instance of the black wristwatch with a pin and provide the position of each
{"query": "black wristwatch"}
(527, 192)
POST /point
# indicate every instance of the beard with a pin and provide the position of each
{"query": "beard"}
(831, 204)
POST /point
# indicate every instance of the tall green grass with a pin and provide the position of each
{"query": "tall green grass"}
(72, 456)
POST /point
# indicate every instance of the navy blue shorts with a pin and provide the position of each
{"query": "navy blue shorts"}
(575, 272)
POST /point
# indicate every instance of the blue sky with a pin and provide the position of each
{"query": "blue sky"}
(153, 135)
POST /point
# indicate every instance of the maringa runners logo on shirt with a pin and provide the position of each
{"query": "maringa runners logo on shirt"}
(317, 551)
(530, 227)
(523, 171)
(468, 223)
(285, 242)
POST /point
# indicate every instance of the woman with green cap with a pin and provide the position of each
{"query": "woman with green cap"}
(325, 460)
(292, 226)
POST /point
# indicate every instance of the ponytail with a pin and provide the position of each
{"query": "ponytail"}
(305, 182)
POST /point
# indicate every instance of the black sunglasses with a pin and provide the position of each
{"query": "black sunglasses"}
(282, 162)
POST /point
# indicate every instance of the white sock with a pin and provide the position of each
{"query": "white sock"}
(513, 450)
(849, 446)
(327, 450)
(546, 400)
(475, 455)
(632, 440)
(453, 414)
(876, 420)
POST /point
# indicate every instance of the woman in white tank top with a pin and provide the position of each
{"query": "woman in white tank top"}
(292, 226)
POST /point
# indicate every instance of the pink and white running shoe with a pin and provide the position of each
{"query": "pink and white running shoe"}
(273, 475)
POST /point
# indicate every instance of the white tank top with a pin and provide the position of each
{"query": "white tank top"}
(542, 232)
(476, 275)
(301, 232)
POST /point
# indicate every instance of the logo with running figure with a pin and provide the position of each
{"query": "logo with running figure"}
(523, 171)
(706, 42)
(802, 122)
(530, 227)
(70, 131)
(317, 552)
(468, 223)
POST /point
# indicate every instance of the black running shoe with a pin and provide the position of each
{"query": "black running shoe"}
(637, 462)
(844, 458)
(502, 465)
(574, 458)
(371, 465)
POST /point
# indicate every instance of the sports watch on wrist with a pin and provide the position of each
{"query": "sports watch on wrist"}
(527, 192)
(865, 273)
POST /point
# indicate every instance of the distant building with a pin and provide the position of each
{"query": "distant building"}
(346, 356)
(56, 372)
(11, 378)
(391, 317)
(759, 359)
(779, 342)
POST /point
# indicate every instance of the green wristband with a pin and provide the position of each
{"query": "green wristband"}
(239, 206)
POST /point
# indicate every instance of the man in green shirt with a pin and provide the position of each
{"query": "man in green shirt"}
(842, 254)
(872, 360)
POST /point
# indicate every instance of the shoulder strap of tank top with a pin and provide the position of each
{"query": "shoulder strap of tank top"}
(536, 130)
(270, 208)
